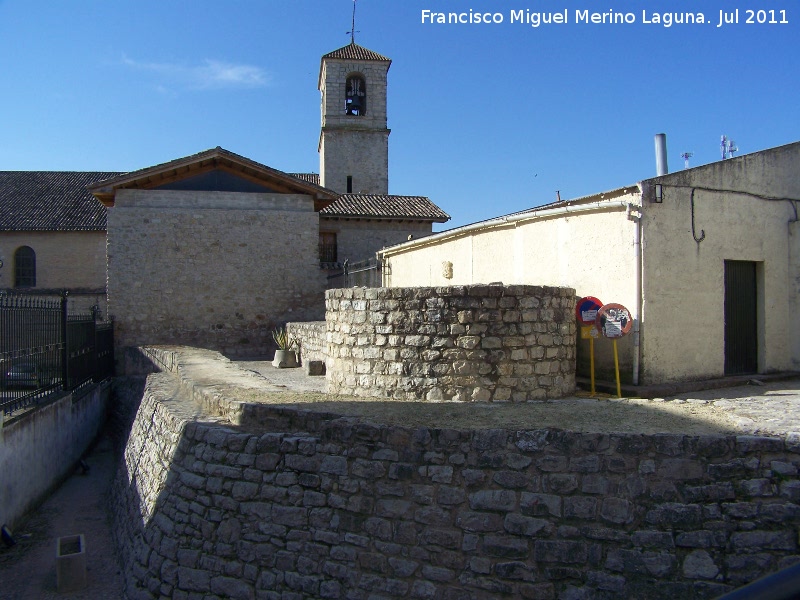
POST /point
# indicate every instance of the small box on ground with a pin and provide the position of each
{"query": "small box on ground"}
(70, 563)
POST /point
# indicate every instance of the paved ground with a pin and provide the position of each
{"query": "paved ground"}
(27, 570)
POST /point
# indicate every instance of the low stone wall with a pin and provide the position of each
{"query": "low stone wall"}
(470, 343)
(319, 506)
(42, 446)
(311, 338)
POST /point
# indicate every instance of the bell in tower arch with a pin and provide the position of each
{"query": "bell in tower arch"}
(356, 96)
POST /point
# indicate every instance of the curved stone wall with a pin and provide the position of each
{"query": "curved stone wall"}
(312, 505)
(489, 343)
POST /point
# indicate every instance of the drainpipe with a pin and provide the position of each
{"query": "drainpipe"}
(637, 257)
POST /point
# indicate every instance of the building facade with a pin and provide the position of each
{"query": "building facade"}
(215, 249)
(707, 260)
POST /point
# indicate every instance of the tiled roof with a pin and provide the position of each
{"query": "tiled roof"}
(307, 177)
(376, 206)
(355, 52)
(51, 201)
(180, 168)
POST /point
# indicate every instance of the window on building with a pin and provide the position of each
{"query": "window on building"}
(349, 184)
(24, 267)
(327, 247)
(356, 96)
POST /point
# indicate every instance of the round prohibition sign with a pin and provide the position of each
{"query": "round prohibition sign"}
(614, 320)
(586, 310)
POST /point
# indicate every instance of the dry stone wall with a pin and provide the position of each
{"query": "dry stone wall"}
(489, 343)
(318, 506)
(310, 336)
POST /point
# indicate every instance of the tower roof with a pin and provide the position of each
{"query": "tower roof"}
(355, 52)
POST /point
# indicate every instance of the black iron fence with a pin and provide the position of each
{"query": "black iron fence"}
(44, 349)
(364, 273)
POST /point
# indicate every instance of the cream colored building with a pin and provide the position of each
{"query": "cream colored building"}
(53, 236)
(707, 260)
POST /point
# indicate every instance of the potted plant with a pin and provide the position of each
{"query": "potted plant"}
(285, 355)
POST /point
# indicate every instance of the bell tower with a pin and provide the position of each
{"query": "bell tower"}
(354, 139)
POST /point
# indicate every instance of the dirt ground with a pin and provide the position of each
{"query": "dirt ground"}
(79, 505)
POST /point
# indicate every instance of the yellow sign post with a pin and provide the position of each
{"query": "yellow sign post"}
(614, 321)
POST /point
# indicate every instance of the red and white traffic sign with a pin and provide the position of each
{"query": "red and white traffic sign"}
(613, 320)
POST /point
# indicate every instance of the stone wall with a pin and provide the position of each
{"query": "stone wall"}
(311, 338)
(471, 343)
(214, 270)
(360, 239)
(319, 506)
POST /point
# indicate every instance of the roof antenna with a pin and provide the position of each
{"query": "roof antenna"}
(352, 33)
(727, 147)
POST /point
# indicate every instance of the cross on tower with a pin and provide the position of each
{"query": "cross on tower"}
(352, 33)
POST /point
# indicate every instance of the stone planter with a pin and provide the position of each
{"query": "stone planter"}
(284, 359)
(70, 563)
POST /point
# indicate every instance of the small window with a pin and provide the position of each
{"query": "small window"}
(349, 184)
(24, 267)
(327, 247)
(356, 96)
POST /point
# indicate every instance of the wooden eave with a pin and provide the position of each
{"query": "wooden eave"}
(157, 176)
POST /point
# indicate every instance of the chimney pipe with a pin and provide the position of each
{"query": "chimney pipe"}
(661, 154)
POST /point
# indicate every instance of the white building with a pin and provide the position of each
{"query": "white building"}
(706, 259)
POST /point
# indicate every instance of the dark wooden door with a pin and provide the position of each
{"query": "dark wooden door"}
(741, 343)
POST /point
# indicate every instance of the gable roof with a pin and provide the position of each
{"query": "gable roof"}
(51, 201)
(355, 52)
(380, 206)
(214, 159)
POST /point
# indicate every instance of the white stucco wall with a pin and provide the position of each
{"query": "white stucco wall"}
(747, 209)
(592, 252)
(683, 324)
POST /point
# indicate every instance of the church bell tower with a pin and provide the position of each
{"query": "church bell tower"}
(354, 139)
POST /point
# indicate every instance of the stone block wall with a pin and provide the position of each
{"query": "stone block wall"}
(360, 239)
(215, 270)
(320, 506)
(311, 338)
(488, 343)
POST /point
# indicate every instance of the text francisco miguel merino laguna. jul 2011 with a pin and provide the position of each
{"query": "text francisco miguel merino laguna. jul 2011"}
(609, 17)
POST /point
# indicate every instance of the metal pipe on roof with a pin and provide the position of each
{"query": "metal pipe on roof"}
(661, 154)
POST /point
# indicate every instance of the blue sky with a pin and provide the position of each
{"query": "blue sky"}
(485, 119)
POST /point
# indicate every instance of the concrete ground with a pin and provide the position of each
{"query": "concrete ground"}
(80, 504)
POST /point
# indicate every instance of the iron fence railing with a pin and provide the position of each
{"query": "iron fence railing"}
(44, 349)
(364, 273)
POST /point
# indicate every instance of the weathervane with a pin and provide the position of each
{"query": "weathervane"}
(686, 156)
(352, 33)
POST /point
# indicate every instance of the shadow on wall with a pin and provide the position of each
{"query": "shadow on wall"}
(322, 506)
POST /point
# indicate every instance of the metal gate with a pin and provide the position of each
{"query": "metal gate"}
(741, 339)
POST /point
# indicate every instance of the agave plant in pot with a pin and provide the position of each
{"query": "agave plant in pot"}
(285, 355)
